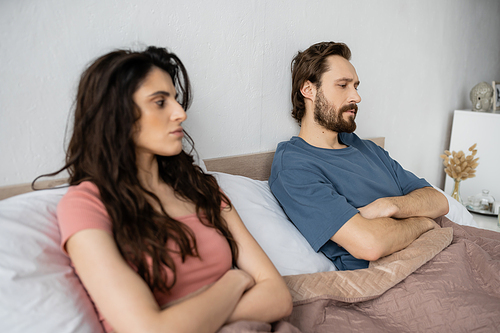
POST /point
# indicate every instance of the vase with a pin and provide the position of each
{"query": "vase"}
(456, 191)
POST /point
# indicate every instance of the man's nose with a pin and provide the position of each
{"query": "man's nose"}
(355, 98)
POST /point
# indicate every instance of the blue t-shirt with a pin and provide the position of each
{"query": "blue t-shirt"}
(320, 189)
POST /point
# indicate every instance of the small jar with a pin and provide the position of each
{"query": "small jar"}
(483, 201)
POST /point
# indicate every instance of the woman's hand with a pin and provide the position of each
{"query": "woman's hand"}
(243, 276)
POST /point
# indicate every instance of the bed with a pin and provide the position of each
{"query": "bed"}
(448, 280)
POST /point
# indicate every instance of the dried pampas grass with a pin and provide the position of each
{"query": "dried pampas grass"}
(459, 166)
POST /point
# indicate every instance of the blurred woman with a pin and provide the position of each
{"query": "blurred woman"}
(155, 242)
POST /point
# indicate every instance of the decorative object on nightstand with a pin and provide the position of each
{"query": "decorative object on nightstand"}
(482, 203)
(481, 97)
(496, 95)
(460, 167)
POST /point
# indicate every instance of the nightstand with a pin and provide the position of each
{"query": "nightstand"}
(486, 221)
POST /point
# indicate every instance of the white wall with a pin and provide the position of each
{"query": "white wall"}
(417, 61)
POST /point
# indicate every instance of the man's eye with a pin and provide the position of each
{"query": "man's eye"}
(343, 85)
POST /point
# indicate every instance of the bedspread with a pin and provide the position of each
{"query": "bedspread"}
(456, 290)
(448, 280)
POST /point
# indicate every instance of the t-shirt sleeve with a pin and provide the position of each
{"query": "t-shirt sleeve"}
(312, 204)
(407, 180)
(81, 208)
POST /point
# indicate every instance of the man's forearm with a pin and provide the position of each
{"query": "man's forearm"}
(375, 238)
(426, 202)
(399, 233)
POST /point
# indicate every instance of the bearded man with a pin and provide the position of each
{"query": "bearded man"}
(347, 196)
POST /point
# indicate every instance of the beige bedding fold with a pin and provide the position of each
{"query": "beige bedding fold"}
(364, 284)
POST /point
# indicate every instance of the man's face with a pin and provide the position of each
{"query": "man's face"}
(335, 106)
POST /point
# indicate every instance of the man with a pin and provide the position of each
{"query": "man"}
(345, 195)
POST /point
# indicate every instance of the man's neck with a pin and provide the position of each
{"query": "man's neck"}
(320, 137)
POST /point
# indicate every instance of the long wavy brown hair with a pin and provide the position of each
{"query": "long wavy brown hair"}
(102, 151)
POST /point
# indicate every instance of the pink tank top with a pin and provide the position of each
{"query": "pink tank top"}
(81, 208)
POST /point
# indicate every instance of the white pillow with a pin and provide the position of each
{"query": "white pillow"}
(264, 218)
(39, 290)
(458, 213)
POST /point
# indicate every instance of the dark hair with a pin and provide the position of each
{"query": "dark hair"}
(102, 150)
(310, 65)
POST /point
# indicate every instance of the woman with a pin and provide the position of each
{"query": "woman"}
(151, 236)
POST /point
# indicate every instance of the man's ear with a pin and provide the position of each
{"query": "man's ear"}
(308, 90)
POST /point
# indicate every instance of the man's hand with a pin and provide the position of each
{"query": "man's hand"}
(379, 208)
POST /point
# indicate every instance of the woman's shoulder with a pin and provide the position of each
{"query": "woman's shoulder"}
(81, 197)
(81, 208)
(85, 187)
(84, 191)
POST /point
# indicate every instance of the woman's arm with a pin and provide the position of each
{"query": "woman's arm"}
(126, 301)
(269, 300)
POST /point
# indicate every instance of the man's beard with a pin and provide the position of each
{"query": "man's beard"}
(331, 119)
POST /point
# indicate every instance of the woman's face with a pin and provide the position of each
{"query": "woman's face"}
(158, 130)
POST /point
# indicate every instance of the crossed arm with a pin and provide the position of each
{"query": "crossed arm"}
(390, 224)
(256, 291)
